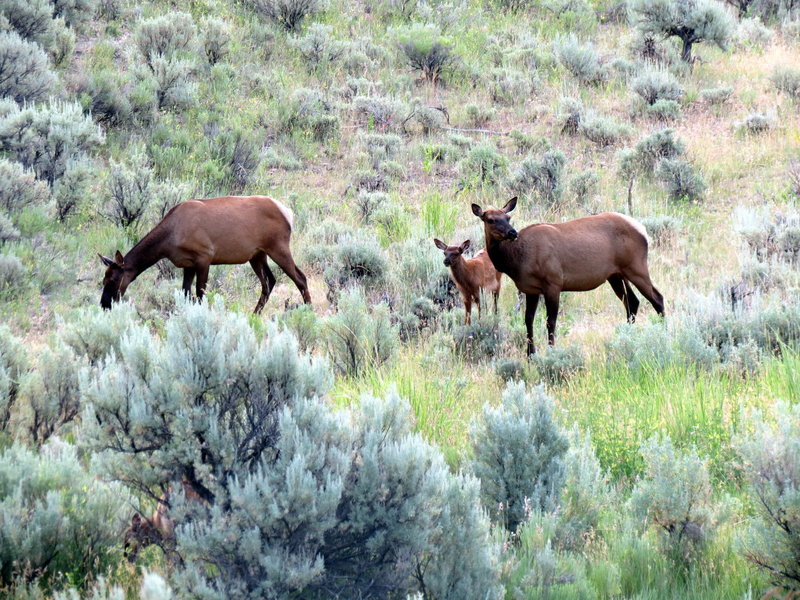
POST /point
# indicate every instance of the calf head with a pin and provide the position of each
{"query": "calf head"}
(451, 253)
(496, 222)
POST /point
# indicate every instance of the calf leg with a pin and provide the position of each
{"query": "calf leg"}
(624, 292)
(531, 302)
(283, 258)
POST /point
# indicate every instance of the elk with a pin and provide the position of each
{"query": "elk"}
(470, 275)
(196, 234)
(546, 259)
(159, 529)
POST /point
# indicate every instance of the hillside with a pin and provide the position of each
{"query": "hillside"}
(378, 123)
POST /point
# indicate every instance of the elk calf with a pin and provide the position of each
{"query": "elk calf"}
(546, 259)
(159, 529)
(471, 275)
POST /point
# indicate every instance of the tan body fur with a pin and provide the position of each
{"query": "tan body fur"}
(216, 231)
(546, 259)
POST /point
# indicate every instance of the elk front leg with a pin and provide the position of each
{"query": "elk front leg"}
(531, 302)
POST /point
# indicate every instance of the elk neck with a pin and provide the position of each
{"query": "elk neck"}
(147, 252)
(505, 255)
(458, 267)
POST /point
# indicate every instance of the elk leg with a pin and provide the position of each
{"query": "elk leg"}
(551, 304)
(531, 302)
(283, 258)
(202, 280)
(188, 277)
(265, 276)
(624, 292)
(467, 310)
(649, 291)
(478, 302)
(496, 295)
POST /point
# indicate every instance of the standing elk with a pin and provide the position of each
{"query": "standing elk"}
(216, 231)
(471, 275)
(575, 256)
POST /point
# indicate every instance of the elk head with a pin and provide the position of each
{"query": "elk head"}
(115, 280)
(451, 253)
(496, 222)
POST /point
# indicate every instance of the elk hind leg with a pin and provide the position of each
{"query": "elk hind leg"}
(642, 282)
(283, 258)
(551, 301)
(625, 293)
(265, 276)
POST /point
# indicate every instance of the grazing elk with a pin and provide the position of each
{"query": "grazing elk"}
(471, 275)
(216, 231)
(576, 256)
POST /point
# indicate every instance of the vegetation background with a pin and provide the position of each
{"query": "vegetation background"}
(653, 460)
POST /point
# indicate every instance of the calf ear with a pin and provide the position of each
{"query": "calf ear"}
(465, 245)
(510, 205)
(440, 244)
(106, 261)
(120, 260)
(476, 210)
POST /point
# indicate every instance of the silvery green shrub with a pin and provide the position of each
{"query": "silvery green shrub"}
(654, 84)
(358, 338)
(602, 130)
(426, 50)
(542, 177)
(716, 96)
(299, 499)
(72, 189)
(129, 190)
(19, 188)
(216, 39)
(581, 59)
(57, 517)
(13, 366)
(692, 21)
(166, 36)
(318, 47)
(518, 455)
(483, 165)
(681, 180)
(771, 455)
(641, 346)
(556, 365)
(308, 111)
(288, 14)
(13, 276)
(31, 19)
(51, 393)
(8, 232)
(97, 334)
(675, 495)
(25, 73)
(786, 80)
(46, 138)
(585, 495)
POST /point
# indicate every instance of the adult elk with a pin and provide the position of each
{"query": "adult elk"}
(471, 275)
(576, 256)
(216, 231)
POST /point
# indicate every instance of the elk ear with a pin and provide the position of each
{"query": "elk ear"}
(106, 261)
(118, 258)
(465, 245)
(440, 244)
(510, 205)
(476, 210)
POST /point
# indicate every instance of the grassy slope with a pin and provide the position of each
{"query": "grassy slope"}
(619, 407)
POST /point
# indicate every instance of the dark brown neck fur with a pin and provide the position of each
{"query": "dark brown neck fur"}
(147, 252)
(503, 254)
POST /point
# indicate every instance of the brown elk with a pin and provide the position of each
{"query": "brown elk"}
(576, 256)
(216, 231)
(159, 529)
(471, 275)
